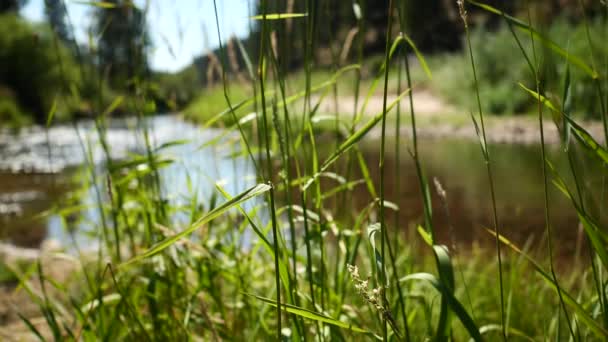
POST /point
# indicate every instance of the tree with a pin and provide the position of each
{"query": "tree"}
(30, 68)
(123, 43)
(56, 15)
(11, 5)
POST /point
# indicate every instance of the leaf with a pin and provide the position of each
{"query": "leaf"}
(162, 245)
(283, 272)
(454, 304)
(51, 114)
(107, 299)
(311, 314)
(425, 235)
(512, 331)
(587, 140)
(356, 136)
(579, 132)
(545, 41)
(545, 101)
(446, 276)
(597, 238)
(31, 326)
(278, 16)
(372, 230)
(117, 101)
(246, 58)
(100, 4)
(420, 57)
(171, 144)
(566, 108)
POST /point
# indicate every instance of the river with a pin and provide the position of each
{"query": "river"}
(36, 177)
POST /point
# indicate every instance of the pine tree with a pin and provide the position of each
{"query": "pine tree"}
(123, 43)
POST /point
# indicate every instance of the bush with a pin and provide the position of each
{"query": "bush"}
(501, 65)
(179, 89)
(10, 113)
(33, 66)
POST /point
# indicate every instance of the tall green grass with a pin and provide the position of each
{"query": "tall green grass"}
(307, 261)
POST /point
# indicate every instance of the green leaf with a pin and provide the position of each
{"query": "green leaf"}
(31, 327)
(580, 133)
(512, 331)
(100, 4)
(545, 101)
(117, 101)
(372, 230)
(162, 245)
(454, 304)
(566, 107)
(587, 140)
(446, 276)
(278, 16)
(356, 136)
(315, 316)
(171, 144)
(425, 235)
(597, 238)
(51, 114)
(283, 272)
(111, 298)
(420, 57)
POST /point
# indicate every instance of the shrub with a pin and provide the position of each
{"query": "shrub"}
(34, 66)
(10, 113)
(500, 66)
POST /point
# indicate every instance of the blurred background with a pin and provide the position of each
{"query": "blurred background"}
(62, 52)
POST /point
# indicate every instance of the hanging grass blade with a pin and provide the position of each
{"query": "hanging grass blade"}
(100, 4)
(51, 114)
(278, 16)
(497, 327)
(446, 277)
(159, 247)
(355, 137)
(315, 316)
(420, 57)
(580, 133)
(454, 304)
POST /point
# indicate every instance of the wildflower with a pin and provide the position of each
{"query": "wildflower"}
(372, 296)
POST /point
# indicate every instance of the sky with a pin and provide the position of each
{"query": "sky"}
(180, 29)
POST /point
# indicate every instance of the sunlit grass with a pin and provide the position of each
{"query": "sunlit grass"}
(296, 256)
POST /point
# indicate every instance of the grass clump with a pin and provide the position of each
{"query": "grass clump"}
(297, 254)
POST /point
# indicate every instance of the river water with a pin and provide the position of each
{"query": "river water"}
(36, 176)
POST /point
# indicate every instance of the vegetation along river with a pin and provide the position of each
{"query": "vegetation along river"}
(36, 177)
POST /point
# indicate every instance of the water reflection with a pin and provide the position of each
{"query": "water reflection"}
(457, 164)
(37, 176)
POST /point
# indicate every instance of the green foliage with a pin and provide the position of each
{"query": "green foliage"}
(501, 66)
(56, 14)
(35, 68)
(123, 42)
(11, 5)
(179, 89)
(192, 269)
(10, 112)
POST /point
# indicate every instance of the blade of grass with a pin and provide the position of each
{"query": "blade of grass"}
(162, 245)
(315, 316)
